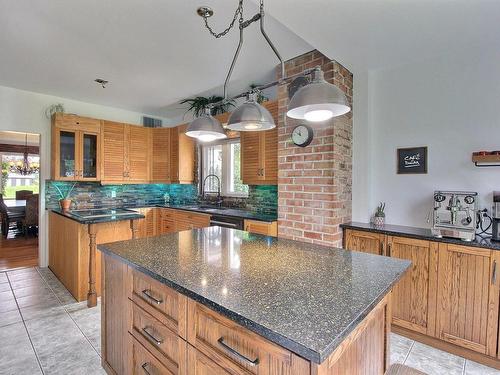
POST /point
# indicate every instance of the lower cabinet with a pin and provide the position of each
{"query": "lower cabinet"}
(414, 297)
(468, 297)
(147, 227)
(200, 364)
(450, 293)
(262, 227)
(366, 242)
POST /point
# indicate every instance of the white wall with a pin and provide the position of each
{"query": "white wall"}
(450, 104)
(24, 111)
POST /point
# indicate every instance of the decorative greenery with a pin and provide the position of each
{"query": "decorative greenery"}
(54, 108)
(261, 98)
(3, 178)
(68, 192)
(380, 210)
(198, 104)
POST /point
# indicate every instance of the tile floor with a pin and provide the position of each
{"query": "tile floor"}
(43, 330)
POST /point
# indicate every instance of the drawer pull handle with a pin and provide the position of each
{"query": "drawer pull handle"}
(144, 368)
(494, 273)
(151, 337)
(147, 293)
(240, 356)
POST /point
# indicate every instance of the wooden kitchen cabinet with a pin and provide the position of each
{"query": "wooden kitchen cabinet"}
(259, 153)
(165, 220)
(468, 297)
(147, 227)
(182, 155)
(160, 158)
(75, 148)
(126, 153)
(366, 242)
(262, 227)
(185, 220)
(414, 297)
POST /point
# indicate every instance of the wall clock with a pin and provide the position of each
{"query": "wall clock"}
(302, 135)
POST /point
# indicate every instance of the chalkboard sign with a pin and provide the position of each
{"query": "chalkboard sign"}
(412, 160)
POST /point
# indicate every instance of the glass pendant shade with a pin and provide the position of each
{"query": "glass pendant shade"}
(206, 128)
(318, 101)
(251, 116)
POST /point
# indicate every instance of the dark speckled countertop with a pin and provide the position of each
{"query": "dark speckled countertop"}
(96, 220)
(304, 297)
(422, 233)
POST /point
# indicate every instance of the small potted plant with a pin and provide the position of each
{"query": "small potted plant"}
(65, 201)
(379, 218)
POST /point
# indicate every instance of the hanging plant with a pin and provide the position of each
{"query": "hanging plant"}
(261, 98)
(198, 104)
(54, 108)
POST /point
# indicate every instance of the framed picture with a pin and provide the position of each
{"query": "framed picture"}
(412, 160)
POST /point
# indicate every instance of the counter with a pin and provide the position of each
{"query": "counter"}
(228, 212)
(421, 233)
(306, 298)
(96, 220)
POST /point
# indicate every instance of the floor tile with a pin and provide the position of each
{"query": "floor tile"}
(45, 299)
(42, 311)
(434, 361)
(6, 296)
(474, 368)
(16, 353)
(4, 287)
(8, 306)
(9, 317)
(89, 322)
(32, 290)
(3, 278)
(17, 284)
(400, 347)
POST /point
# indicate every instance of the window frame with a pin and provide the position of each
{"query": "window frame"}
(226, 167)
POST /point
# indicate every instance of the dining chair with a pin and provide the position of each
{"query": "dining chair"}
(23, 194)
(31, 215)
(8, 217)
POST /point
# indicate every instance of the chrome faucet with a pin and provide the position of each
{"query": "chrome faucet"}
(219, 198)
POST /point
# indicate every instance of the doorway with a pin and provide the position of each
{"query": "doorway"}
(19, 199)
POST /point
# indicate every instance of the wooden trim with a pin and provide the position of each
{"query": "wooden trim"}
(19, 149)
(433, 285)
(448, 347)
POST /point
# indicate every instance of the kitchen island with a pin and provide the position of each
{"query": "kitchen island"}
(219, 301)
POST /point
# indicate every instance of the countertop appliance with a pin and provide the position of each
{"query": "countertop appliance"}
(495, 217)
(455, 214)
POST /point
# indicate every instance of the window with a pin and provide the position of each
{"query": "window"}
(223, 160)
(10, 181)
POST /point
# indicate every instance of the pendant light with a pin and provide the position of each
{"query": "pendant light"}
(251, 116)
(318, 101)
(206, 128)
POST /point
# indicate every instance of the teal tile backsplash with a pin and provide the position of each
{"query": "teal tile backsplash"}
(261, 198)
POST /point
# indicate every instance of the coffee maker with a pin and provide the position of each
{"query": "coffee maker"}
(454, 214)
(495, 217)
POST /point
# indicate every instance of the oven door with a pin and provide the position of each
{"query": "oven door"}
(226, 222)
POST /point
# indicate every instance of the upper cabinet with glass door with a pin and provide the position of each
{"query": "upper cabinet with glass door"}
(75, 148)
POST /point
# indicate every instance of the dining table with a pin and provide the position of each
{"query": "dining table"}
(16, 205)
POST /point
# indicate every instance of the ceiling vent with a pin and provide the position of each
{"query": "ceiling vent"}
(150, 122)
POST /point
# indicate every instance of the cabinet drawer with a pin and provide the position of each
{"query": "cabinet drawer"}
(143, 362)
(189, 220)
(231, 346)
(200, 364)
(261, 227)
(169, 348)
(162, 302)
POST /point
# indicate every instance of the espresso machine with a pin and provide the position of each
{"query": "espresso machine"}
(455, 214)
(495, 217)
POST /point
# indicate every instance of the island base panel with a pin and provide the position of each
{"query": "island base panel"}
(127, 349)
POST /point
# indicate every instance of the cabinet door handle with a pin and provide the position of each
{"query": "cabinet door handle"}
(389, 249)
(238, 355)
(494, 273)
(144, 368)
(381, 248)
(157, 341)
(148, 294)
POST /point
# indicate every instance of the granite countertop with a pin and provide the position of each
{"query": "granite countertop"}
(422, 233)
(96, 220)
(304, 297)
(229, 212)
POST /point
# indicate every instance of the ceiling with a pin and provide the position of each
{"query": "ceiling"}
(16, 138)
(153, 52)
(375, 34)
